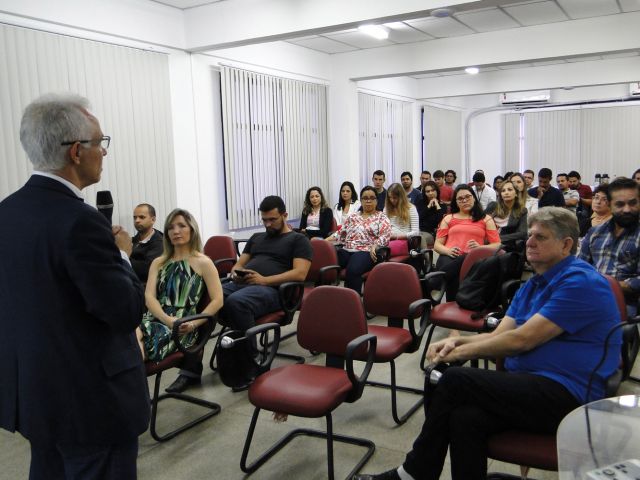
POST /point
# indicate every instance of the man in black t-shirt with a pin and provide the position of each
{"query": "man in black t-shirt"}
(269, 259)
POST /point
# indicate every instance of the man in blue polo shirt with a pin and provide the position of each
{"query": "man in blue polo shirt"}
(552, 337)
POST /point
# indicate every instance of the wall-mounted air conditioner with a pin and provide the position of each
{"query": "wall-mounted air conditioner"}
(522, 98)
(634, 89)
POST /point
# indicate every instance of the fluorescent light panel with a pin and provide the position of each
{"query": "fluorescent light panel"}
(376, 31)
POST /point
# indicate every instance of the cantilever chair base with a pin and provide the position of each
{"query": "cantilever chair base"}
(328, 435)
(214, 409)
(394, 390)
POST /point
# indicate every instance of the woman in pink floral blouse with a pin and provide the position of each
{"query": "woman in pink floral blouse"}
(360, 235)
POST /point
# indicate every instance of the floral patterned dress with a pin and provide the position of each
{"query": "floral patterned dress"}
(179, 291)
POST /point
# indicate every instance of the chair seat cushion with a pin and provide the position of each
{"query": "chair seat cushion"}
(536, 450)
(392, 342)
(450, 315)
(301, 390)
(170, 361)
(273, 317)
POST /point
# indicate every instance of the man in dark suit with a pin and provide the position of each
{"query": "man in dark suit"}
(71, 375)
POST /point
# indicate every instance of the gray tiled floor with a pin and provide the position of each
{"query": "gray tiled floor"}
(212, 449)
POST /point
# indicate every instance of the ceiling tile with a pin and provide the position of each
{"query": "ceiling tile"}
(536, 13)
(620, 55)
(425, 75)
(440, 27)
(358, 39)
(549, 62)
(323, 44)
(584, 59)
(449, 73)
(589, 8)
(487, 20)
(186, 3)
(514, 65)
(630, 5)
(400, 32)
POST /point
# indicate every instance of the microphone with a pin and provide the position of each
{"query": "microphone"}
(104, 204)
(228, 342)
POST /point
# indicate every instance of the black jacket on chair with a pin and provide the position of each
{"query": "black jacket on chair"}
(514, 230)
(70, 367)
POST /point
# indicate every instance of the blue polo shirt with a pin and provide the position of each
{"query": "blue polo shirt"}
(574, 296)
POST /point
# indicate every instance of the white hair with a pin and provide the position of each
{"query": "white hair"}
(49, 121)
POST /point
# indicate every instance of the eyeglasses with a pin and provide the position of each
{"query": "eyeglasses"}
(368, 199)
(600, 198)
(103, 142)
(464, 198)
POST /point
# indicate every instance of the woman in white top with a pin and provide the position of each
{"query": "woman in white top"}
(348, 203)
(401, 213)
(530, 203)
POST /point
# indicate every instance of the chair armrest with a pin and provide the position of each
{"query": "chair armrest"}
(382, 254)
(223, 261)
(204, 332)
(415, 306)
(413, 242)
(427, 289)
(509, 289)
(323, 274)
(290, 298)
(270, 348)
(427, 259)
(630, 346)
(359, 381)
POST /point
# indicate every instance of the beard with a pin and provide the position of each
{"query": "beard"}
(626, 220)
(272, 232)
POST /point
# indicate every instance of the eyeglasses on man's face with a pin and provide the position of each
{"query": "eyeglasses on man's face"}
(103, 142)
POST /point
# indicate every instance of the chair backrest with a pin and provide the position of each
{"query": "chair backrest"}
(220, 247)
(472, 257)
(390, 289)
(619, 297)
(329, 319)
(324, 254)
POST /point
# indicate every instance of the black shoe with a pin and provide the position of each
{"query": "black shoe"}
(182, 383)
(242, 386)
(388, 475)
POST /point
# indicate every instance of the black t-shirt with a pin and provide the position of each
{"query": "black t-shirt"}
(274, 255)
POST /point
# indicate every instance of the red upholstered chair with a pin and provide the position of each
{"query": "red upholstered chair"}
(535, 450)
(450, 314)
(393, 290)
(331, 321)
(324, 269)
(222, 250)
(383, 254)
(174, 360)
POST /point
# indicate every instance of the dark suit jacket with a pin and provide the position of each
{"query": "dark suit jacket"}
(70, 367)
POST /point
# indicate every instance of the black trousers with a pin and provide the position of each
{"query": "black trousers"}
(451, 268)
(83, 462)
(470, 404)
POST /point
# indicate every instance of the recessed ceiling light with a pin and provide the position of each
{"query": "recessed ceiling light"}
(472, 70)
(376, 31)
(442, 12)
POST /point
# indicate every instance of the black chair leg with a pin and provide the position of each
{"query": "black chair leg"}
(394, 394)
(328, 435)
(214, 409)
(423, 357)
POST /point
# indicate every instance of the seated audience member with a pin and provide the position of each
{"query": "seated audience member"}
(583, 190)
(348, 203)
(147, 243)
(466, 228)
(497, 182)
(571, 197)
(600, 208)
(446, 192)
(529, 176)
(430, 211)
(484, 193)
(510, 216)
(403, 216)
(519, 182)
(552, 340)
(413, 194)
(177, 281)
(614, 246)
(425, 177)
(450, 178)
(316, 216)
(636, 176)
(360, 235)
(547, 195)
(378, 179)
(270, 258)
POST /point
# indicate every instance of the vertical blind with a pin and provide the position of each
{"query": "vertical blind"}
(385, 136)
(442, 139)
(588, 140)
(275, 141)
(129, 93)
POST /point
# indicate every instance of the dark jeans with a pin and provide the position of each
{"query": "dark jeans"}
(451, 268)
(470, 404)
(244, 303)
(356, 264)
(83, 462)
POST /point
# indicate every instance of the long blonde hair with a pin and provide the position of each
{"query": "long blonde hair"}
(195, 242)
(502, 211)
(522, 195)
(403, 209)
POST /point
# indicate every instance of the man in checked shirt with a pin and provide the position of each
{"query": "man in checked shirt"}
(614, 247)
